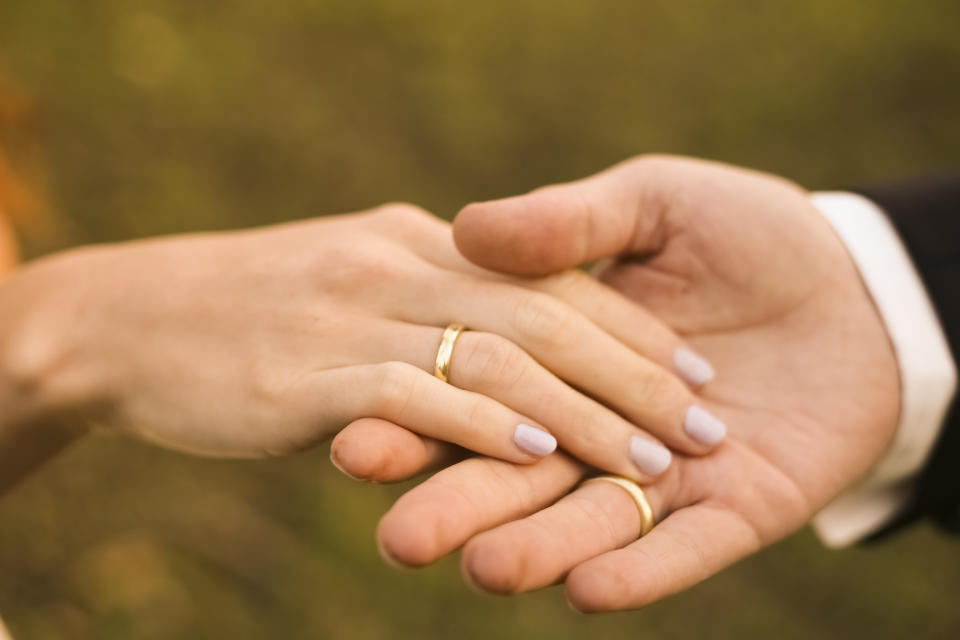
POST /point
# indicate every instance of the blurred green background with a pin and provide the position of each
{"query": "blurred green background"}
(162, 117)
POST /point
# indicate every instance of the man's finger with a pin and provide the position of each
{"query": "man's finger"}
(539, 550)
(621, 210)
(690, 545)
(450, 507)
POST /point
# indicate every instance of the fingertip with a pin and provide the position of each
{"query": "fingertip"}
(692, 366)
(483, 235)
(588, 591)
(650, 457)
(404, 541)
(523, 235)
(373, 450)
(534, 441)
(703, 427)
(335, 455)
(365, 462)
(486, 567)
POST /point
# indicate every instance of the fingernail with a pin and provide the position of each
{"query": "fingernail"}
(692, 366)
(703, 426)
(336, 463)
(533, 440)
(650, 457)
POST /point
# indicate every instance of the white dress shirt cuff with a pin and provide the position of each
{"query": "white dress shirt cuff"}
(928, 375)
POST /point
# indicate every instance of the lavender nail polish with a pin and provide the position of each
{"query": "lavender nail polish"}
(650, 457)
(533, 440)
(693, 367)
(703, 426)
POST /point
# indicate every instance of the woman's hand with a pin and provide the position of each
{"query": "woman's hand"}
(743, 266)
(263, 342)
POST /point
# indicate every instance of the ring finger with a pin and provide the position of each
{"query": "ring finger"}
(494, 368)
(542, 548)
(578, 351)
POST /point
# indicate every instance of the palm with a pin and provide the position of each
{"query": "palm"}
(762, 287)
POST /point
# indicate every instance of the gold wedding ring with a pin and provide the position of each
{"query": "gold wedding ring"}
(441, 368)
(636, 494)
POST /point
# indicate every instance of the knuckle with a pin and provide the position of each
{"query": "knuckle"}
(660, 393)
(479, 418)
(30, 361)
(570, 284)
(588, 432)
(362, 263)
(490, 360)
(402, 213)
(544, 321)
(43, 367)
(396, 384)
(266, 385)
(653, 161)
(506, 479)
(607, 520)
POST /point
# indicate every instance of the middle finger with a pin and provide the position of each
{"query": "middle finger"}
(575, 349)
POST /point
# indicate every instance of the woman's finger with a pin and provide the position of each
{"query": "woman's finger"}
(376, 450)
(624, 319)
(492, 366)
(627, 321)
(407, 396)
(578, 351)
(439, 515)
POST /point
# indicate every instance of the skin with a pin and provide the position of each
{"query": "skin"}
(8, 247)
(264, 342)
(23, 450)
(747, 271)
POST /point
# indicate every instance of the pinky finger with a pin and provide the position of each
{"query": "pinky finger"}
(407, 396)
(376, 450)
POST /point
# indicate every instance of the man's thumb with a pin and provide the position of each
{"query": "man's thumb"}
(562, 226)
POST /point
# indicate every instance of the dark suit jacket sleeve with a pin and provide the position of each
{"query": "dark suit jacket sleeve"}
(926, 214)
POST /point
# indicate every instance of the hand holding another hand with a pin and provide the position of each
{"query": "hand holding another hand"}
(745, 269)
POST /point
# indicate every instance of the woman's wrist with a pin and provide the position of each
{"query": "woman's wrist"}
(8, 247)
(39, 380)
(35, 424)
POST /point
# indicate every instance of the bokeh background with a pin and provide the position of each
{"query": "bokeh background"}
(159, 117)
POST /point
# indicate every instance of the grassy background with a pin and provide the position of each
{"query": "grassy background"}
(170, 116)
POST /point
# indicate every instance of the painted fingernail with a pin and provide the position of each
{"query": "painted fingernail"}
(650, 457)
(703, 426)
(693, 367)
(533, 440)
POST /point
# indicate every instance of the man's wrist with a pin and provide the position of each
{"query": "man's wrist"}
(927, 372)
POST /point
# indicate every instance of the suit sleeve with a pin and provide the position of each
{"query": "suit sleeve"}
(926, 215)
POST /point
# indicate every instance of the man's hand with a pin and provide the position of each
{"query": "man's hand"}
(746, 269)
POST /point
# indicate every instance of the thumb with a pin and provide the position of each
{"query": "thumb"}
(621, 210)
